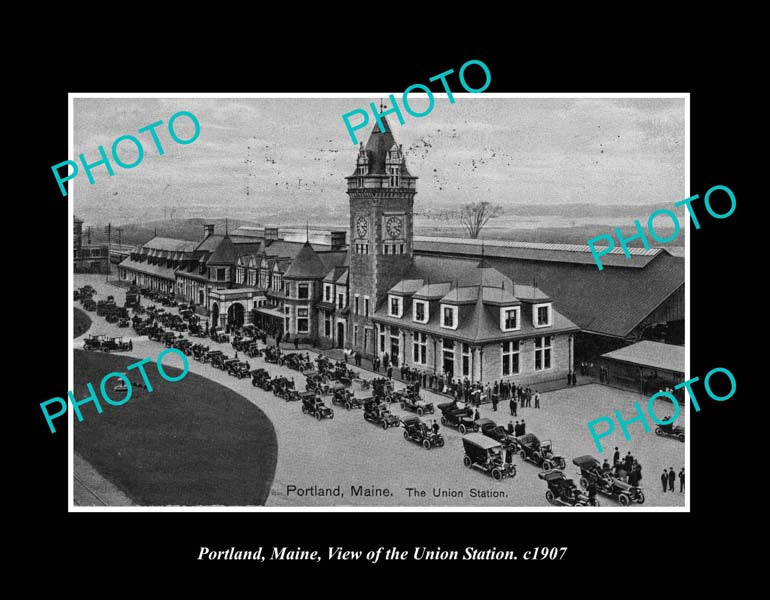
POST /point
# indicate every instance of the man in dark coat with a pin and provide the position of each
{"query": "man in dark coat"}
(671, 479)
(390, 372)
(616, 456)
(664, 479)
(510, 428)
(477, 415)
(517, 429)
(512, 405)
(681, 481)
(523, 427)
(494, 402)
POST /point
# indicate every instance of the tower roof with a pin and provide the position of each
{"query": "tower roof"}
(225, 253)
(306, 265)
(377, 147)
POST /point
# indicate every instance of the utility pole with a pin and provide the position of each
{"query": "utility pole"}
(88, 234)
(108, 231)
(119, 229)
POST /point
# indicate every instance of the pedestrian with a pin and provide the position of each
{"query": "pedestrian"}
(574, 378)
(517, 429)
(296, 342)
(671, 479)
(236, 354)
(616, 456)
(664, 479)
(510, 427)
(512, 406)
(523, 427)
(436, 427)
(537, 399)
(477, 415)
(606, 466)
(390, 372)
(494, 402)
(681, 481)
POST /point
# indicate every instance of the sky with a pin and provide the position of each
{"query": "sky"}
(266, 158)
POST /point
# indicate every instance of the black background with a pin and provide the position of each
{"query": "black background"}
(652, 545)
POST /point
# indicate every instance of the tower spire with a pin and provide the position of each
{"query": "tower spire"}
(225, 227)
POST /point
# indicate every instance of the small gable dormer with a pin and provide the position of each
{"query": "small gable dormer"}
(394, 161)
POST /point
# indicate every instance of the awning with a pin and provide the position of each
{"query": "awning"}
(271, 312)
(651, 354)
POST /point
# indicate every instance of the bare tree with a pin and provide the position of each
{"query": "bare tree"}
(476, 215)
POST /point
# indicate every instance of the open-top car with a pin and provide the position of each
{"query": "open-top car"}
(313, 405)
(670, 430)
(252, 350)
(415, 430)
(382, 388)
(93, 342)
(272, 354)
(261, 378)
(344, 397)
(605, 482)
(282, 387)
(184, 345)
(124, 322)
(458, 418)
(219, 361)
(297, 362)
(116, 344)
(485, 454)
(539, 453)
(89, 304)
(238, 368)
(211, 355)
(564, 491)
(497, 432)
(377, 412)
(413, 403)
(218, 335)
(199, 352)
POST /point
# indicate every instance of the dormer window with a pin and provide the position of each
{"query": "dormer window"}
(303, 291)
(395, 306)
(449, 316)
(542, 315)
(510, 318)
(420, 311)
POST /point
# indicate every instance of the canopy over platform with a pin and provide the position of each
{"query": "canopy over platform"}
(655, 355)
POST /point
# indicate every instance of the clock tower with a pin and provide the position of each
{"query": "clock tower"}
(381, 195)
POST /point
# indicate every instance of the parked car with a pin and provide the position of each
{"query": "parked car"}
(344, 397)
(315, 382)
(415, 430)
(124, 322)
(377, 412)
(238, 368)
(212, 355)
(458, 418)
(670, 430)
(564, 491)
(487, 455)
(252, 350)
(497, 432)
(314, 406)
(272, 354)
(219, 360)
(93, 342)
(605, 483)
(297, 362)
(261, 378)
(89, 304)
(116, 344)
(539, 453)
(218, 335)
(411, 401)
(283, 386)
(184, 345)
(199, 352)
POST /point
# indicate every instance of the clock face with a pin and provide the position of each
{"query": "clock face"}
(394, 227)
(362, 227)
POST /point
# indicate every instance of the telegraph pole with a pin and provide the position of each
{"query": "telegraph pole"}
(119, 229)
(108, 230)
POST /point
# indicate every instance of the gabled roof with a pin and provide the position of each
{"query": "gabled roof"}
(170, 245)
(335, 274)
(306, 265)
(461, 295)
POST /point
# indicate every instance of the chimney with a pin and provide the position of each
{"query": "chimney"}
(208, 230)
(338, 240)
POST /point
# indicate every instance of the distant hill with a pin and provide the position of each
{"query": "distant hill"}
(185, 229)
(583, 210)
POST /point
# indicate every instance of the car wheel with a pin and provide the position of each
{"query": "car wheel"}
(513, 471)
(497, 474)
(440, 442)
(523, 455)
(318, 416)
(384, 424)
(426, 444)
(658, 431)
(681, 437)
(443, 420)
(402, 405)
(348, 405)
(462, 429)
(640, 498)
(550, 497)
(304, 410)
(562, 464)
(420, 412)
(331, 414)
(624, 499)
(583, 483)
(406, 436)
(467, 461)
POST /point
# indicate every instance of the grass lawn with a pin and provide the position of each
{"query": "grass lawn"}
(82, 322)
(191, 442)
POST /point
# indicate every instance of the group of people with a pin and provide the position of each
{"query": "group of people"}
(519, 429)
(627, 469)
(668, 478)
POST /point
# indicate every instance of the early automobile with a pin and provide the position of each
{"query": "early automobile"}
(377, 412)
(89, 304)
(272, 354)
(670, 430)
(345, 398)
(93, 342)
(297, 362)
(485, 454)
(382, 388)
(218, 335)
(124, 322)
(116, 344)
(314, 406)
(605, 482)
(261, 378)
(133, 297)
(458, 418)
(252, 350)
(211, 355)
(199, 352)
(417, 431)
(219, 360)
(238, 368)
(315, 382)
(539, 453)
(282, 387)
(184, 345)
(410, 400)
(497, 432)
(564, 491)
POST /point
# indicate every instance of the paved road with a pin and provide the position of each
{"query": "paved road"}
(350, 454)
